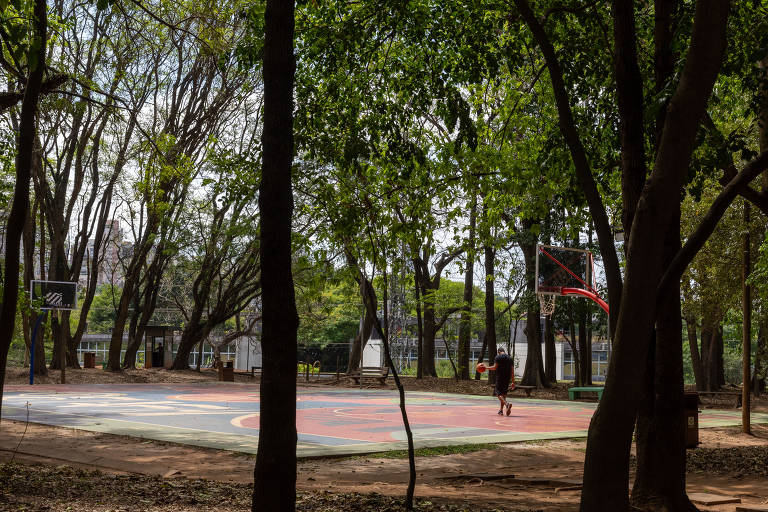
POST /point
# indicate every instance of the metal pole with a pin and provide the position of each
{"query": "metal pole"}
(32, 349)
(63, 345)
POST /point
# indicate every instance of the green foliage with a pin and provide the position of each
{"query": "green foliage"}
(329, 307)
(103, 311)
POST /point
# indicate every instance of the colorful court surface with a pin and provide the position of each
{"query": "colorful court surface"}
(329, 421)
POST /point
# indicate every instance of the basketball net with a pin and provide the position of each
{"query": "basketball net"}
(547, 302)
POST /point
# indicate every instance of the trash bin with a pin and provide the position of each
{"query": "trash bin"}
(226, 372)
(89, 359)
(691, 412)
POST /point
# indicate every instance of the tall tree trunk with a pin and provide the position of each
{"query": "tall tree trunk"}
(585, 350)
(534, 364)
(582, 167)
(578, 355)
(366, 287)
(30, 320)
(116, 340)
(660, 478)
(606, 468)
(20, 206)
(482, 353)
(193, 334)
(274, 477)
(709, 346)
(693, 345)
(419, 328)
(720, 356)
(465, 324)
(134, 340)
(550, 355)
(490, 308)
(760, 356)
(358, 344)
(746, 334)
(761, 351)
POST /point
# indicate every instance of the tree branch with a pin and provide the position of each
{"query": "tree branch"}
(708, 224)
(9, 99)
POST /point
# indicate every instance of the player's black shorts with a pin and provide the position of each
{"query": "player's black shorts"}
(501, 387)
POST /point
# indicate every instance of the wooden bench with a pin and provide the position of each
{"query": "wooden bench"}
(526, 389)
(734, 395)
(255, 370)
(370, 372)
(575, 392)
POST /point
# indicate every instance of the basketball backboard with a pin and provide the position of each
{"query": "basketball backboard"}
(54, 294)
(563, 267)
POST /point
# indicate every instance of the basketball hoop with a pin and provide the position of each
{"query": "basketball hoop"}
(547, 302)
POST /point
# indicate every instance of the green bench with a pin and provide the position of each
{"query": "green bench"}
(574, 393)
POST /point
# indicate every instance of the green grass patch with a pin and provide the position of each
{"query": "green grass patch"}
(435, 451)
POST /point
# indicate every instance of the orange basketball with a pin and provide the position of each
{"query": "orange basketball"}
(481, 367)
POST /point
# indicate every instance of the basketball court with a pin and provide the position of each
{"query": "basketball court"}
(330, 422)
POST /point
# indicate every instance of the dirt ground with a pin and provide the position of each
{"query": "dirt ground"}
(520, 476)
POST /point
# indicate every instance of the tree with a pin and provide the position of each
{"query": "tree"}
(274, 476)
(225, 261)
(35, 60)
(207, 83)
(655, 260)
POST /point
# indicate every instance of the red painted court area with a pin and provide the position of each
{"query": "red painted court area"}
(330, 421)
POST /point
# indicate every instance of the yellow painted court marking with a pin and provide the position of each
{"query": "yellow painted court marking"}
(238, 421)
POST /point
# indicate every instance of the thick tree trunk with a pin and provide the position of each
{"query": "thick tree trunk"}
(428, 349)
(20, 206)
(274, 486)
(709, 346)
(606, 469)
(660, 478)
(358, 344)
(192, 335)
(534, 365)
(116, 340)
(428, 287)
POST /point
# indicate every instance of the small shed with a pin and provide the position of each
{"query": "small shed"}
(158, 346)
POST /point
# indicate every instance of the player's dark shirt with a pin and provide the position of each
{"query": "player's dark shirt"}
(504, 367)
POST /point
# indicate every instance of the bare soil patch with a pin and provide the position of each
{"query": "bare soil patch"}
(88, 471)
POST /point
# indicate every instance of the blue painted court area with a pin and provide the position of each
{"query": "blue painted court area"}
(330, 421)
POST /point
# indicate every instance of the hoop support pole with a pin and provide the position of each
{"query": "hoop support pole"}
(588, 294)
